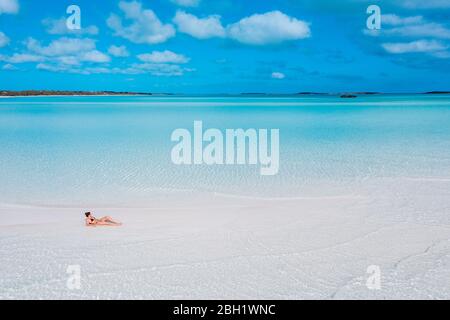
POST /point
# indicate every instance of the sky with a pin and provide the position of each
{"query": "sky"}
(225, 46)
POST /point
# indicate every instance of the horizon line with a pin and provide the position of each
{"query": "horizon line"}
(44, 92)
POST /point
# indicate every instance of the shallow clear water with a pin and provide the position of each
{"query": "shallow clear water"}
(79, 151)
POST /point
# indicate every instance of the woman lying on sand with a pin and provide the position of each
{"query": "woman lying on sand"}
(92, 221)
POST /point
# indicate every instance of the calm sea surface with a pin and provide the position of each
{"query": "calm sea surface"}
(79, 151)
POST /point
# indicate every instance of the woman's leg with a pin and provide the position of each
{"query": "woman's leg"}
(105, 223)
(108, 219)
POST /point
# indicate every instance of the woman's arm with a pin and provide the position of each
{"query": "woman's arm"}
(90, 223)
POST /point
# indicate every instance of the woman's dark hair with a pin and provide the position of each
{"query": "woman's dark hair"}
(87, 214)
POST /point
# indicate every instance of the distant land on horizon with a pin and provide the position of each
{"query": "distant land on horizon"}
(22, 93)
(13, 93)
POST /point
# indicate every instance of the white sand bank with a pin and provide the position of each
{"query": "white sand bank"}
(226, 247)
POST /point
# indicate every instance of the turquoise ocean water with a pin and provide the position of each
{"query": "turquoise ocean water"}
(81, 151)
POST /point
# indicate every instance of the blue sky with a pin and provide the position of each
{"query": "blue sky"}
(225, 46)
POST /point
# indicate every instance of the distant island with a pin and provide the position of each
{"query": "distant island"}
(343, 95)
(21, 93)
(24, 93)
(307, 93)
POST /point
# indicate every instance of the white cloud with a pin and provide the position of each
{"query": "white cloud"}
(69, 50)
(62, 68)
(9, 67)
(23, 58)
(9, 6)
(145, 26)
(58, 26)
(118, 51)
(186, 3)
(269, 28)
(434, 30)
(395, 20)
(203, 28)
(429, 4)
(278, 75)
(60, 55)
(68, 60)
(163, 57)
(259, 29)
(160, 69)
(55, 68)
(155, 69)
(61, 46)
(4, 40)
(415, 26)
(94, 56)
(80, 56)
(419, 46)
